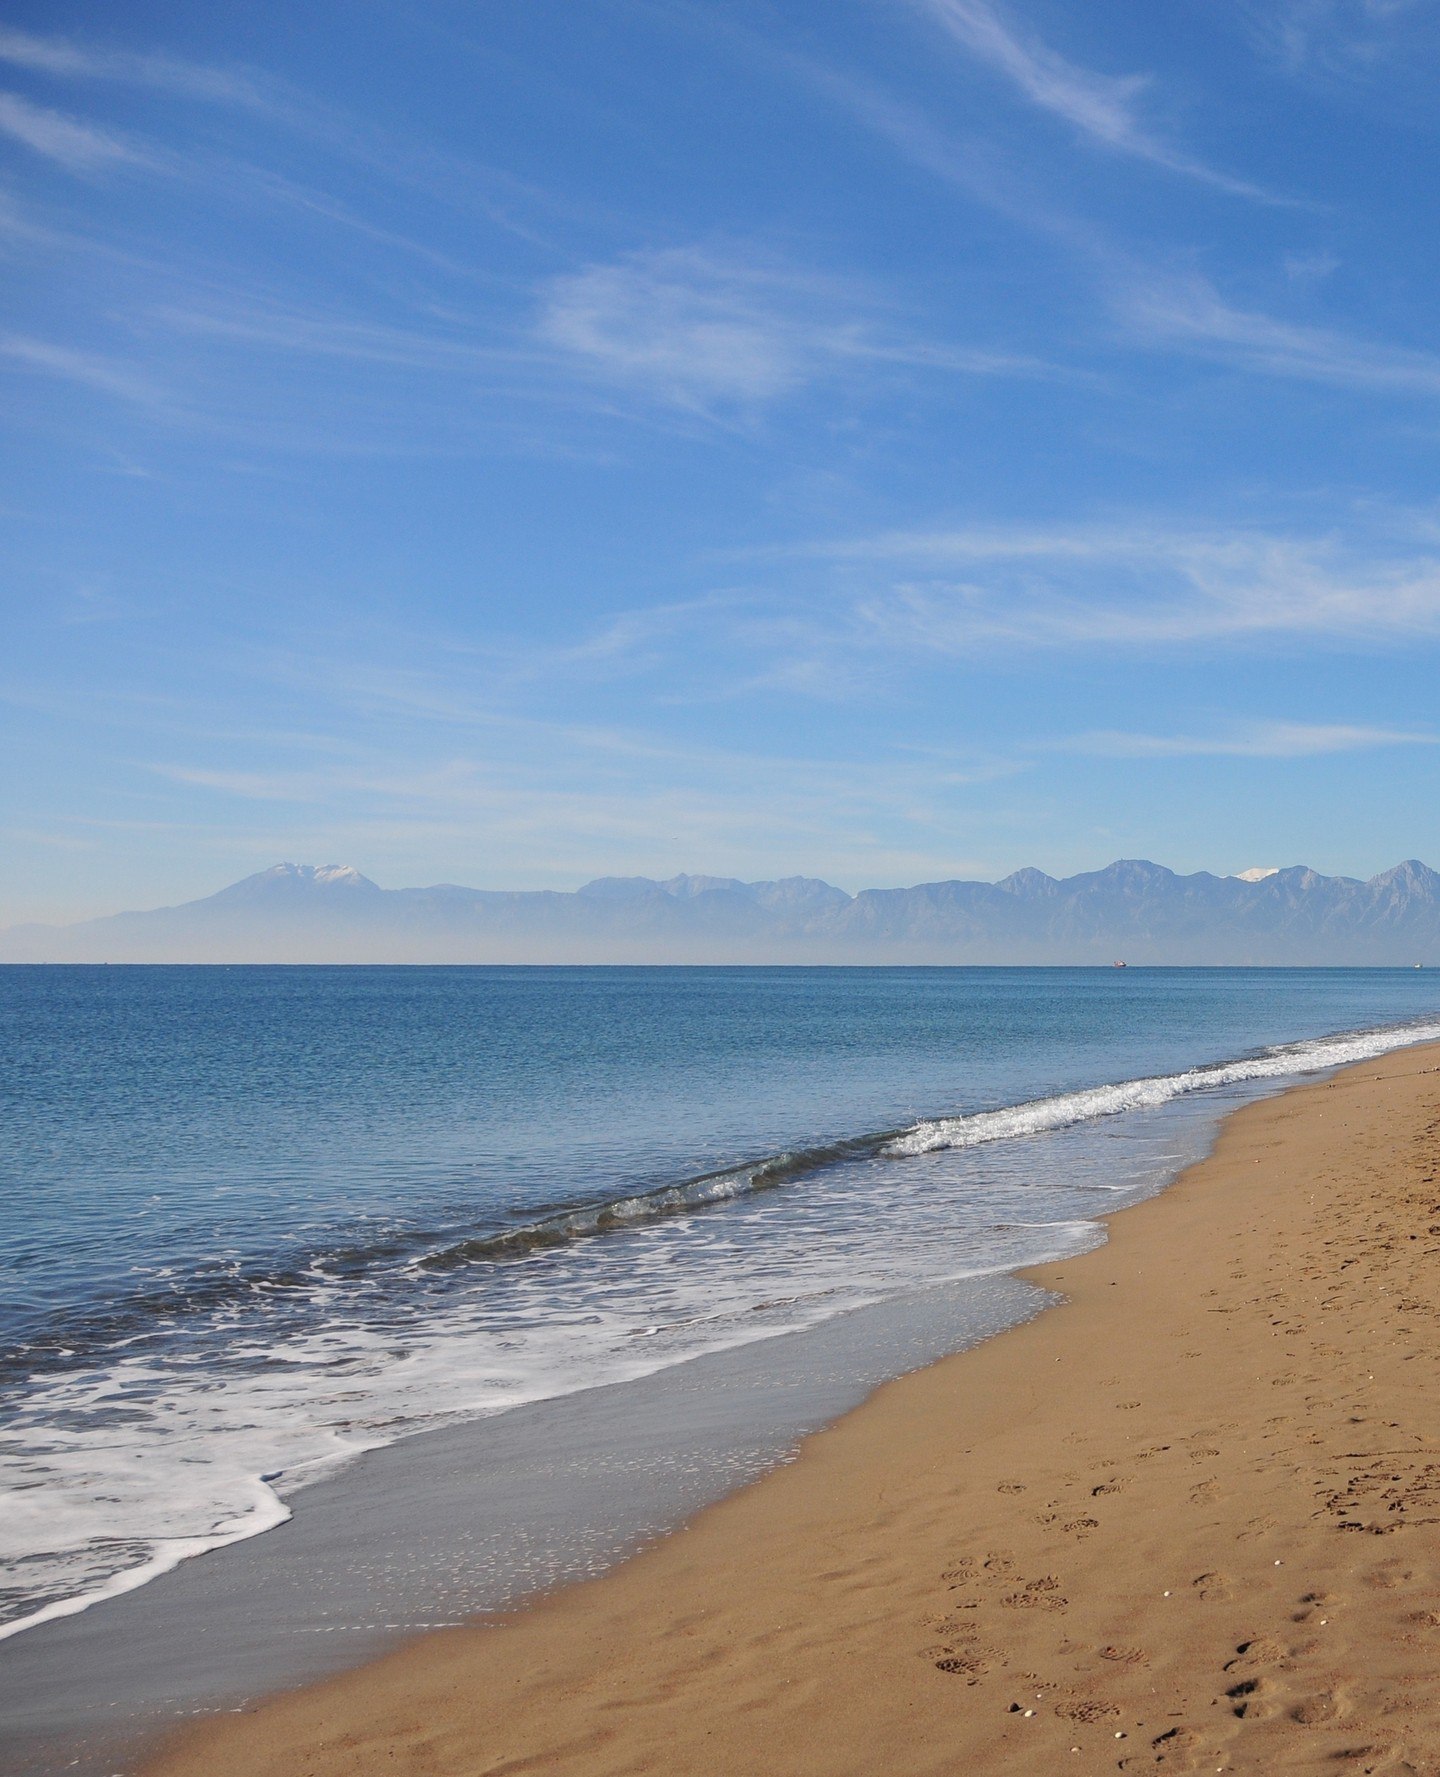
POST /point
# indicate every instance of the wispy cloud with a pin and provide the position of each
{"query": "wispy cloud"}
(328, 333)
(1259, 740)
(702, 329)
(89, 369)
(1191, 313)
(952, 592)
(853, 622)
(970, 164)
(1329, 37)
(42, 55)
(405, 161)
(67, 59)
(79, 147)
(1102, 107)
(864, 621)
(685, 326)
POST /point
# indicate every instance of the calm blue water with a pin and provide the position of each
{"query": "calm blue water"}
(258, 1219)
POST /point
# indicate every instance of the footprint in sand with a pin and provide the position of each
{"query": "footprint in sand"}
(1175, 1744)
(1251, 1697)
(1035, 1601)
(1264, 1650)
(1080, 1526)
(1380, 1757)
(964, 1665)
(1011, 1487)
(1114, 1485)
(1218, 1586)
(1316, 1711)
(1125, 1656)
(1087, 1709)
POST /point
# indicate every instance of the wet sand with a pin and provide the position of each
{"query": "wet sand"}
(1190, 1519)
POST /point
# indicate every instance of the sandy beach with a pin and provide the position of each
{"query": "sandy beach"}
(1186, 1520)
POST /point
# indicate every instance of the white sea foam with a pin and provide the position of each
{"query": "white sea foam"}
(117, 1474)
(166, 1553)
(1067, 1108)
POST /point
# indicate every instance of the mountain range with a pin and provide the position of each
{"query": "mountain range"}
(1131, 911)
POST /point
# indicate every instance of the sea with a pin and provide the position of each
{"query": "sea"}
(256, 1221)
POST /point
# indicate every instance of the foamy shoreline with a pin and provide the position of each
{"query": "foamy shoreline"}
(1170, 1512)
(244, 1503)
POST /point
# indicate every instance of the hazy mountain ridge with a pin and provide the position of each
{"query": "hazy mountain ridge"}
(1132, 910)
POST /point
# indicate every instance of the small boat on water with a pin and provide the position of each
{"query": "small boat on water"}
(1119, 965)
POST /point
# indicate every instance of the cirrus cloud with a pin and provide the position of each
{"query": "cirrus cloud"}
(1135, 586)
(79, 147)
(1256, 740)
(705, 330)
(1102, 107)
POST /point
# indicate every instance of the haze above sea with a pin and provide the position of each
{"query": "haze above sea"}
(257, 1220)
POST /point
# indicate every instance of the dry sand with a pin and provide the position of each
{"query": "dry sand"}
(1187, 1520)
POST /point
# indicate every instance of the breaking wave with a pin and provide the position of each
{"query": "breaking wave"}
(1034, 1117)
(70, 1340)
(1041, 1115)
(641, 1207)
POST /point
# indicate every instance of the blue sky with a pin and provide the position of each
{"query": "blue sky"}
(885, 439)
